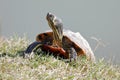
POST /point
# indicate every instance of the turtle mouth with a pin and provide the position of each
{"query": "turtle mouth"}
(57, 28)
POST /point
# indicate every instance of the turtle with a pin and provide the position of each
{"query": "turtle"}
(60, 42)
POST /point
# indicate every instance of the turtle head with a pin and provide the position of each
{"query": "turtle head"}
(56, 25)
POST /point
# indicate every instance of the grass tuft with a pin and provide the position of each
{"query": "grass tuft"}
(45, 67)
(13, 45)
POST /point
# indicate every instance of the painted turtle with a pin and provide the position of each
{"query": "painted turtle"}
(62, 43)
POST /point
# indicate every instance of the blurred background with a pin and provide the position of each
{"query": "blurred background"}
(97, 20)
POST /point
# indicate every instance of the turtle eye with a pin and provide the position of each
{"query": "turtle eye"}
(50, 16)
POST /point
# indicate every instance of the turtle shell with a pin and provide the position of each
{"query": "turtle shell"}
(70, 39)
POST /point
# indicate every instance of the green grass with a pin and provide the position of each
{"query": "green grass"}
(45, 67)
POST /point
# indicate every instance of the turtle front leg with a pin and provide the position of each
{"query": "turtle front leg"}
(72, 54)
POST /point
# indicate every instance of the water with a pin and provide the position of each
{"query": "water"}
(99, 19)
